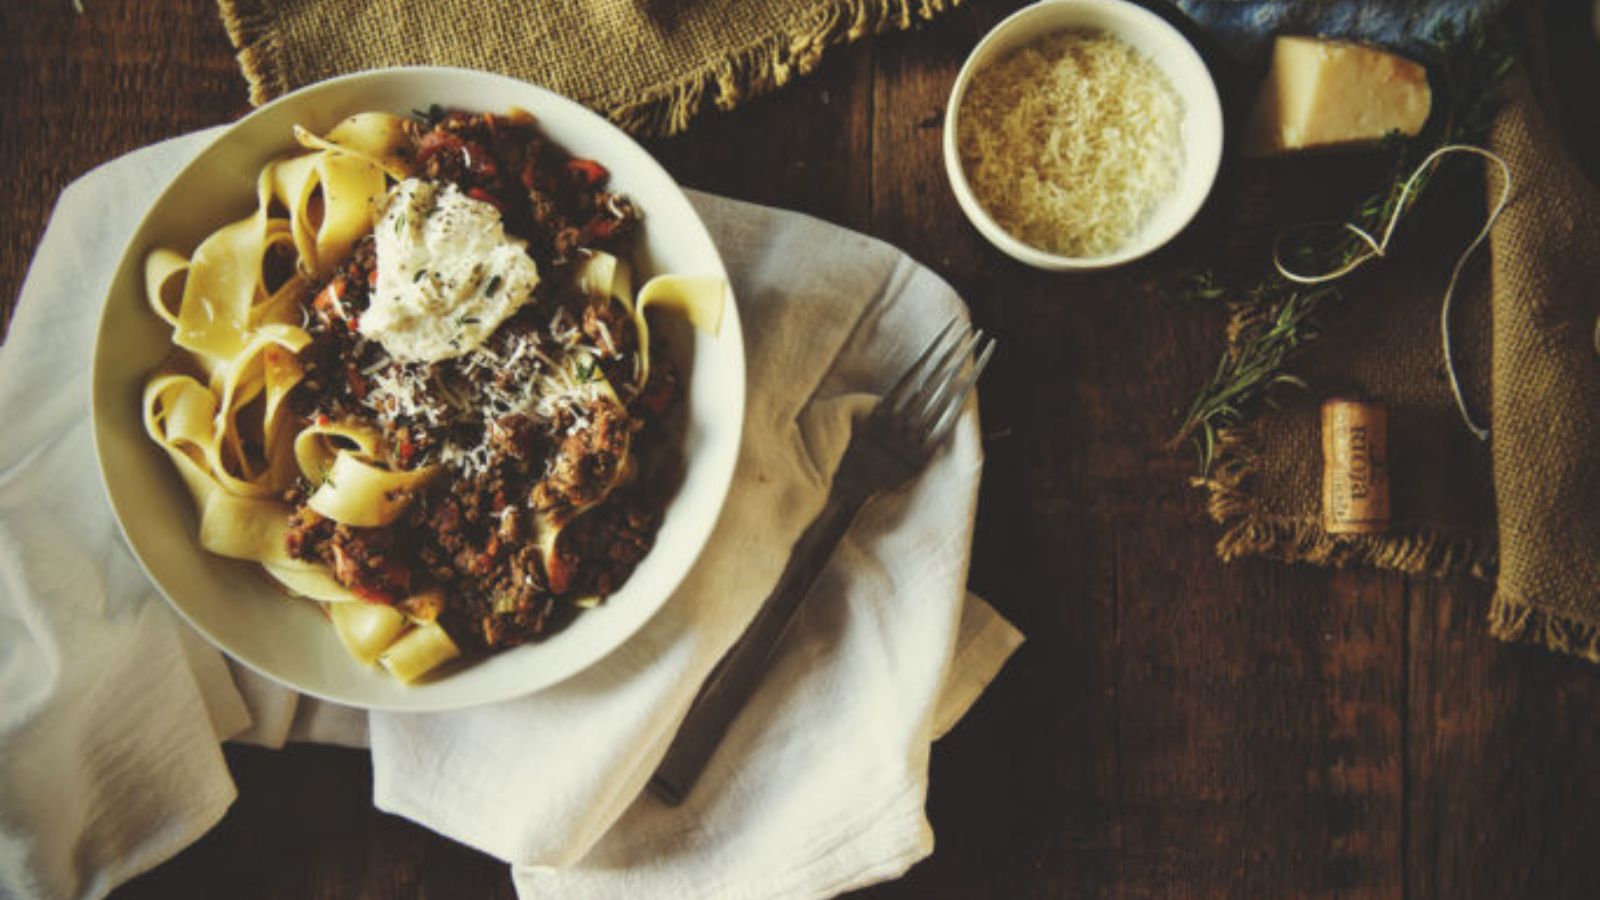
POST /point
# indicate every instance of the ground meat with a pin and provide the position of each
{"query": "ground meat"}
(603, 546)
(466, 552)
(334, 384)
(584, 467)
(554, 201)
(307, 532)
(515, 437)
(372, 562)
(609, 326)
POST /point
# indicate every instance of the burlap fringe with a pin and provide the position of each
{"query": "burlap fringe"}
(667, 109)
(767, 65)
(1250, 531)
(1519, 622)
(250, 28)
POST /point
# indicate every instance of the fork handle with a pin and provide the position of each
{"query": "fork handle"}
(736, 676)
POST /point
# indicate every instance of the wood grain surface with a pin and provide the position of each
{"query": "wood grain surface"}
(1174, 727)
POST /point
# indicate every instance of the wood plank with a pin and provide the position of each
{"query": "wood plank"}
(82, 89)
(1503, 798)
(304, 826)
(1260, 751)
(794, 149)
(1022, 796)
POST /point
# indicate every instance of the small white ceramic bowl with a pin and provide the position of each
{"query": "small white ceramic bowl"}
(1163, 45)
(231, 602)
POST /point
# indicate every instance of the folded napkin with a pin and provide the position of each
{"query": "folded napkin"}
(650, 65)
(111, 710)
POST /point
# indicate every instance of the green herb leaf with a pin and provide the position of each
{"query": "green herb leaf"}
(432, 115)
(494, 285)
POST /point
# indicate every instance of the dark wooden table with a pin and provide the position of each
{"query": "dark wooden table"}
(1173, 727)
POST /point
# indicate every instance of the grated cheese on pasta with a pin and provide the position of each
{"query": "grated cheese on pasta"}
(1071, 142)
(552, 382)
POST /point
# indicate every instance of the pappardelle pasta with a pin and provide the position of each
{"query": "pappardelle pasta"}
(418, 387)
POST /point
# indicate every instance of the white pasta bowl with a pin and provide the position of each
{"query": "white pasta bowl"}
(232, 602)
(1185, 71)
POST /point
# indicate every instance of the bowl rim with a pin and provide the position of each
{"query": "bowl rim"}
(1149, 242)
(715, 489)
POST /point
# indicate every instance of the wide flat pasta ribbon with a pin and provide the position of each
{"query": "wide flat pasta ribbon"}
(312, 581)
(319, 444)
(332, 200)
(373, 137)
(358, 492)
(251, 390)
(221, 285)
(180, 416)
(698, 299)
(248, 528)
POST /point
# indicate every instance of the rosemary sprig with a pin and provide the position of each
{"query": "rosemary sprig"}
(1278, 315)
(1249, 369)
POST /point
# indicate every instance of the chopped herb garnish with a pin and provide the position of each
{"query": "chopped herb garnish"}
(494, 285)
(400, 224)
(431, 115)
(466, 320)
(585, 370)
(418, 277)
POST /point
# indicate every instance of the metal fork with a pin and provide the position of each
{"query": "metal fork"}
(891, 445)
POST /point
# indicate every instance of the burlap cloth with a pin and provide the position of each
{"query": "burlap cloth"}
(1523, 508)
(649, 65)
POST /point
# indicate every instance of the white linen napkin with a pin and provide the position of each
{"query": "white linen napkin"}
(111, 709)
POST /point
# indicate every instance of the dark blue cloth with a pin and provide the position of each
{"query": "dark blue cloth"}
(1244, 28)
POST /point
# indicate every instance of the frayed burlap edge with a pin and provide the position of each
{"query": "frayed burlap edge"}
(767, 65)
(1248, 530)
(666, 109)
(254, 34)
(1517, 621)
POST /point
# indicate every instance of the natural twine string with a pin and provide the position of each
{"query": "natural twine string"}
(1377, 248)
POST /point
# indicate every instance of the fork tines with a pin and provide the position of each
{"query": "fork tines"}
(928, 398)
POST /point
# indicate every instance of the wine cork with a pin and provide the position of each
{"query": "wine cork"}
(1355, 466)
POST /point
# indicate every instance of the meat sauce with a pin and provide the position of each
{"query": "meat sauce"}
(465, 552)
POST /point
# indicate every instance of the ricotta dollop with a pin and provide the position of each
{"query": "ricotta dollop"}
(447, 273)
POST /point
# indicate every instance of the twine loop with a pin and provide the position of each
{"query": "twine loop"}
(1377, 248)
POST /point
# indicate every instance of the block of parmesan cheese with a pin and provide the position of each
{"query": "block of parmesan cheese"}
(1323, 94)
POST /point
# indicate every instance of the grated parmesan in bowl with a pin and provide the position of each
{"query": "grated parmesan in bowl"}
(1082, 134)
